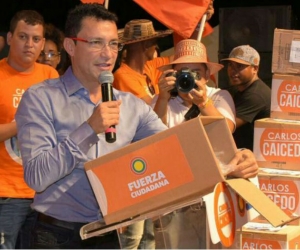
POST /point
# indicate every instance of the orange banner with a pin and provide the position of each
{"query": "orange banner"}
(182, 16)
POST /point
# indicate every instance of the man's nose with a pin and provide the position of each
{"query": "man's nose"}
(29, 41)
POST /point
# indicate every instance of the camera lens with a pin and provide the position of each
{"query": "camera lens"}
(185, 82)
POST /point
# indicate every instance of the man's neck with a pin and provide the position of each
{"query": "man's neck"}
(136, 62)
(246, 85)
(20, 68)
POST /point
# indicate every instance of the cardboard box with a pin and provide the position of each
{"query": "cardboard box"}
(172, 169)
(264, 236)
(283, 188)
(285, 97)
(277, 143)
(169, 169)
(286, 51)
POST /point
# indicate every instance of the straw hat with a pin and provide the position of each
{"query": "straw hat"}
(139, 30)
(192, 51)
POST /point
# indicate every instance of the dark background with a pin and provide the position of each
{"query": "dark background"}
(241, 22)
(55, 11)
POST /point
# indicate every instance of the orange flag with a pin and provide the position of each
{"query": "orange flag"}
(182, 16)
(93, 1)
(207, 30)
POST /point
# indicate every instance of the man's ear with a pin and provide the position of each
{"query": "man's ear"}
(44, 41)
(69, 46)
(255, 69)
(148, 43)
(59, 58)
(207, 74)
(145, 44)
(8, 37)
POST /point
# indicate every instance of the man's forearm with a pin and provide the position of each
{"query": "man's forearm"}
(7, 131)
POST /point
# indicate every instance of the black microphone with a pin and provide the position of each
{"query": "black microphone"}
(106, 79)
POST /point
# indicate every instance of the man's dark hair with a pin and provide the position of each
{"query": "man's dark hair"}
(55, 35)
(30, 17)
(82, 11)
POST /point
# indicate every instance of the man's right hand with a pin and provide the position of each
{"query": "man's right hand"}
(166, 84)
(210, 10)
(105, 115)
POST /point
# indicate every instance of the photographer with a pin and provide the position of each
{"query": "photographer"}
(190, 62)
(183, 95)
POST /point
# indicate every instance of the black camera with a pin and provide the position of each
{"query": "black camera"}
(185, 80)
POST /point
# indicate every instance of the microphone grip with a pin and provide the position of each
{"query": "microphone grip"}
(110, 134)
(107, 92)
(107, 95)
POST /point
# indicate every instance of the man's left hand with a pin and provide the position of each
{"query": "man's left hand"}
(245, 165)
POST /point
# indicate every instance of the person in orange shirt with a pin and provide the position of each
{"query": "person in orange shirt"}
(17, 72)
(133, 76)
(136, 74)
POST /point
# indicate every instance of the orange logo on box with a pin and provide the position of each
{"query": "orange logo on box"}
(224, 214)
(280, 144)
(144, 173)
(138, 165)
(288, 96)
(283, 193)
(250, 243)
(241, 205)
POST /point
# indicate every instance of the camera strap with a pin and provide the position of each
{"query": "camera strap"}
(193, 112)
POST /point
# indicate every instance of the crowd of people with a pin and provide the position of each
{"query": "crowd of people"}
(53, 120)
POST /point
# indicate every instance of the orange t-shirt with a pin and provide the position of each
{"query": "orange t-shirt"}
(128, 80)
(12, 85)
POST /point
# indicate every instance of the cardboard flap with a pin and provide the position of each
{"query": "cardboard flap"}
(97, 228)
(259, 201)
(217, 142)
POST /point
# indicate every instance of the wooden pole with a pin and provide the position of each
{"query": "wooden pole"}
(201, 28)
(106, 4)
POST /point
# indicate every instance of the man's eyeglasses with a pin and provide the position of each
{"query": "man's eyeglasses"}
(49, 55)
(98, 44)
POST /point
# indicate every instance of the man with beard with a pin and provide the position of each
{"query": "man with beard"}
(253, 97)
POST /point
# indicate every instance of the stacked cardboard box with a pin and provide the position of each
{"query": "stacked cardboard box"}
(277, 139)
(283, 188)
(264, 236)
(277, 143)
(277, 147)
(285, 57)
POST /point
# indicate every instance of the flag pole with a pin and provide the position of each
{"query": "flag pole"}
(106, 4)
(201, 28)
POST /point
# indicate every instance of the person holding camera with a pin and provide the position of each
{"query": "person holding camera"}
(183, 93)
